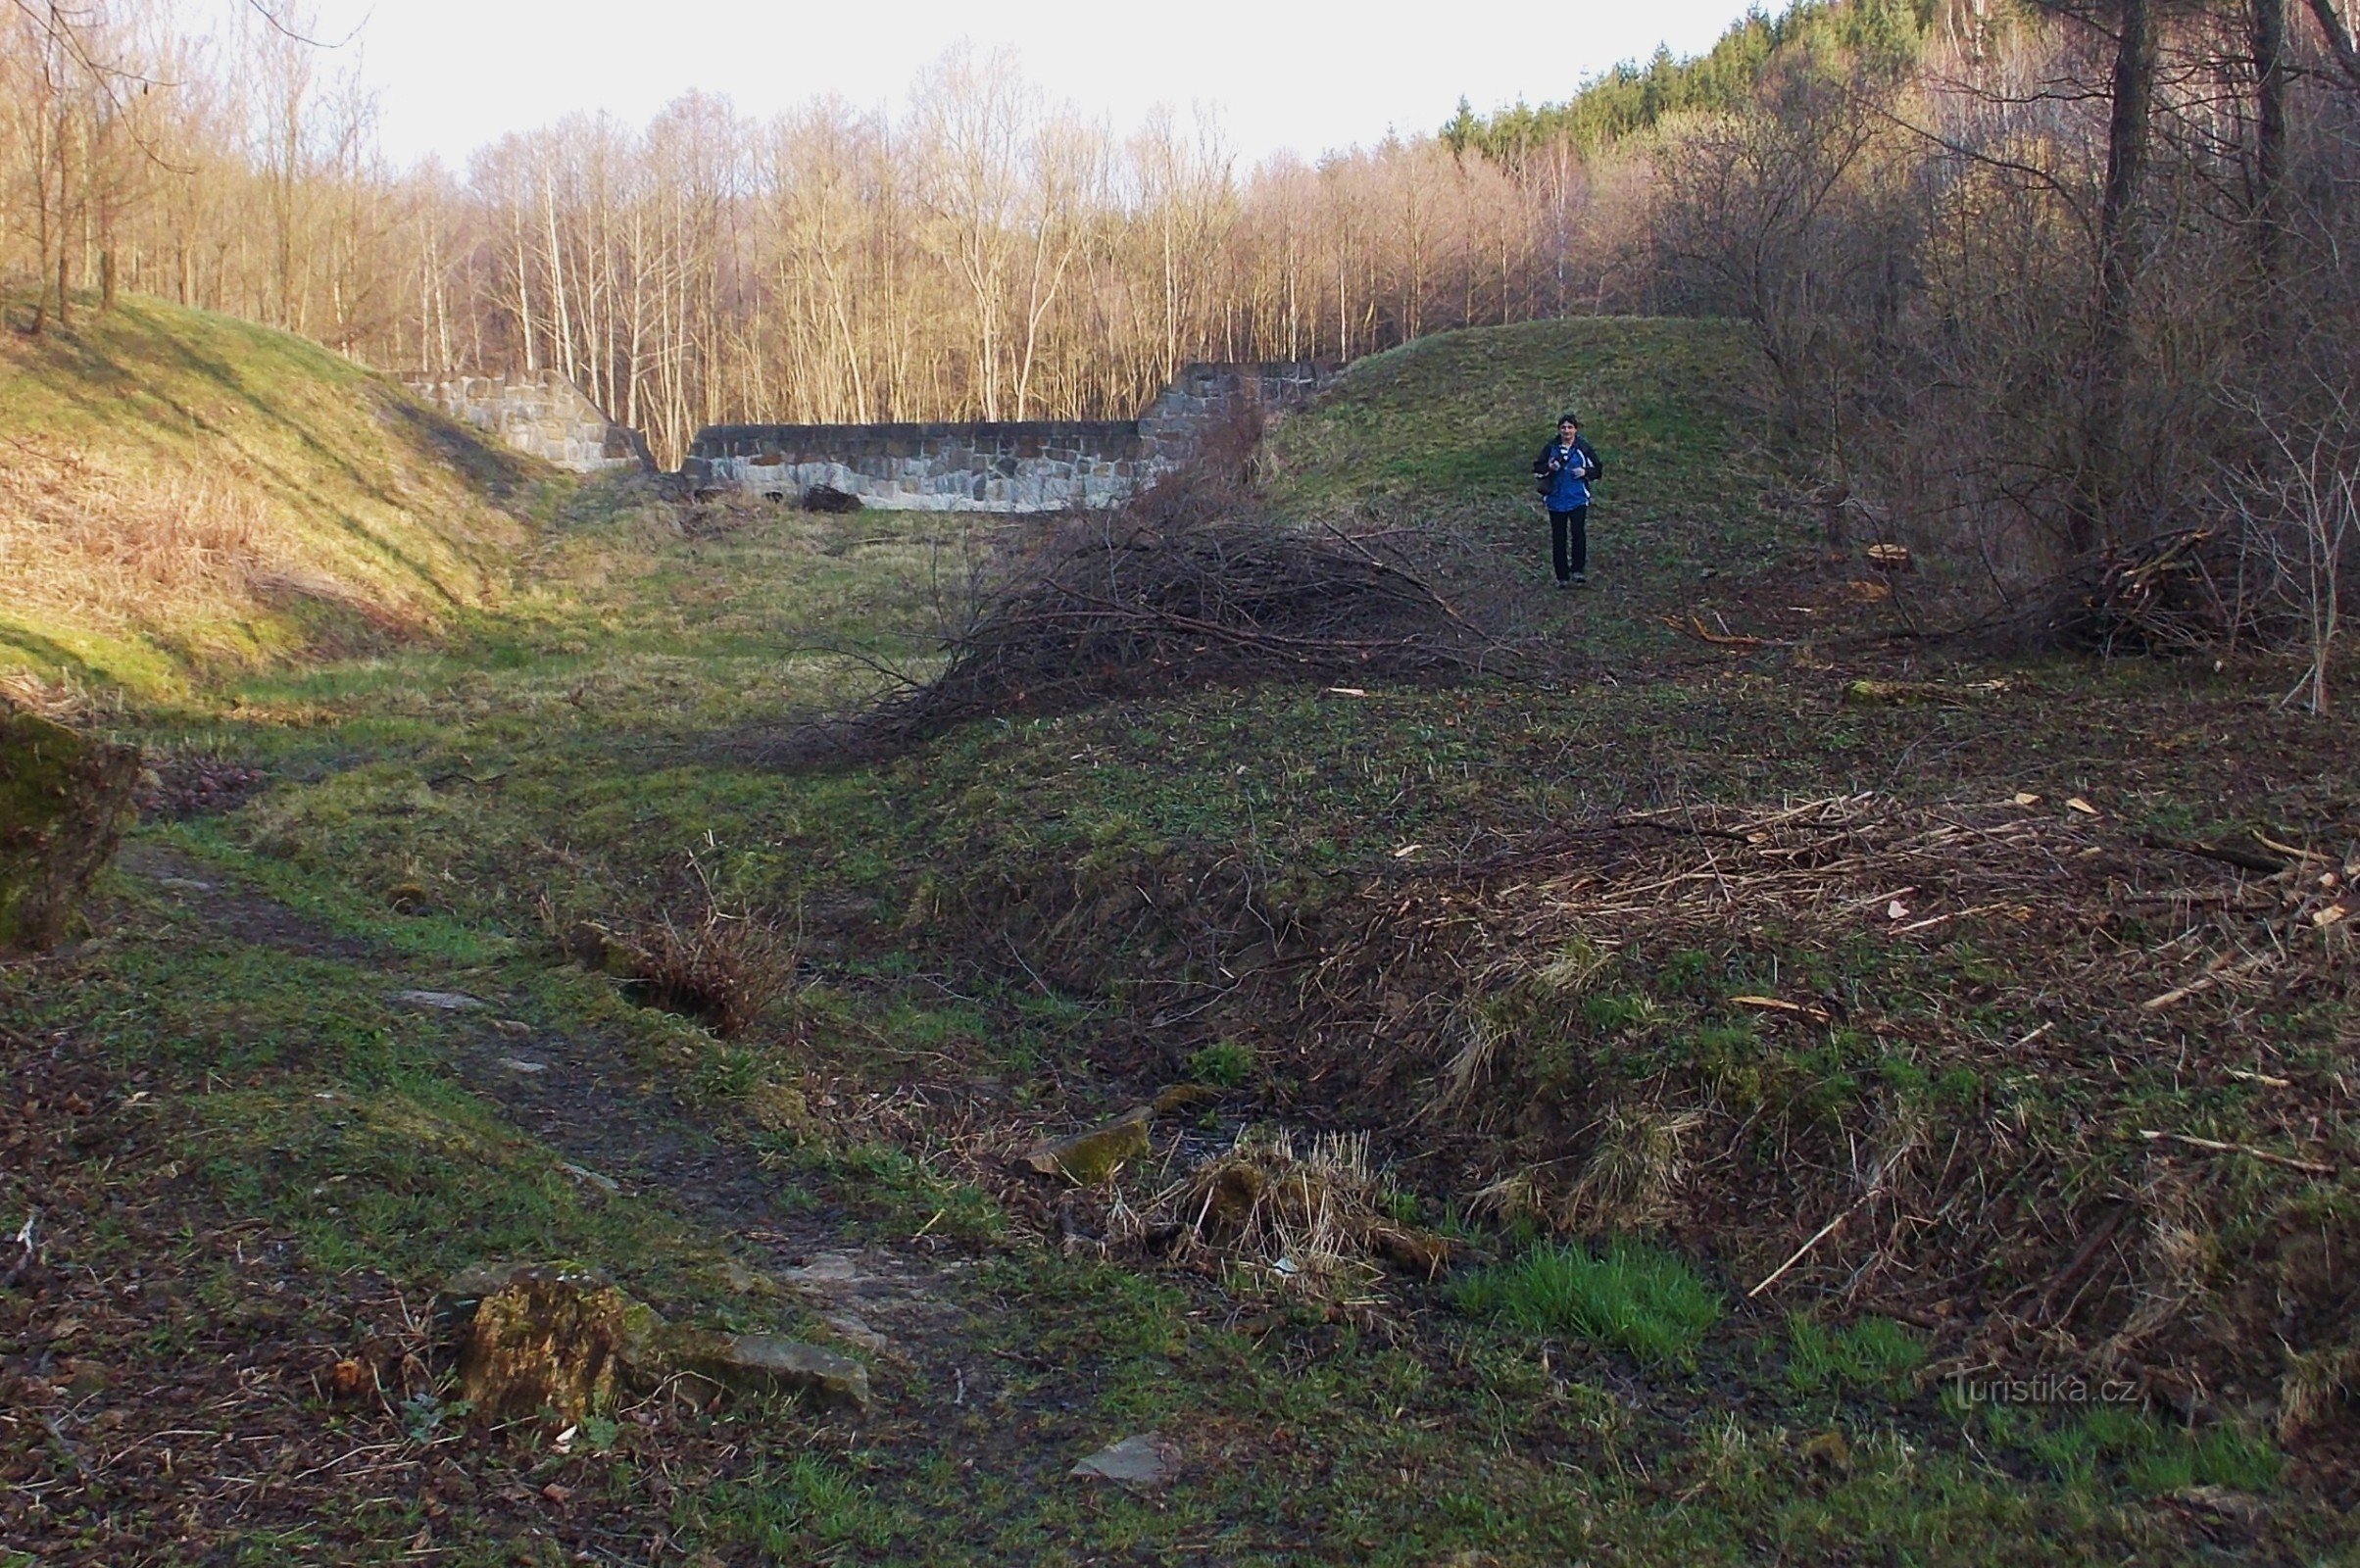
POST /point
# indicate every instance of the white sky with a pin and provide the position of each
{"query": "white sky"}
(454, 74)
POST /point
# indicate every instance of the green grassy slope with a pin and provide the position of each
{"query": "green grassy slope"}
(1034, 922)
(179, 489)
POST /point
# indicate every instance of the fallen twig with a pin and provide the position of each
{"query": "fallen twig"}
(2309, 1167)
(1817, 1236)
(2202, 983)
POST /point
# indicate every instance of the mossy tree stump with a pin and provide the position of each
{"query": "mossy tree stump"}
(65, 800)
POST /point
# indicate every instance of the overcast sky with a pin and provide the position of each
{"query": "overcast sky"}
(457, 74)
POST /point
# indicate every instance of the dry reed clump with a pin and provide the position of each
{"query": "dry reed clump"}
(722, 968)
(1192, 584)
(1274, 1220)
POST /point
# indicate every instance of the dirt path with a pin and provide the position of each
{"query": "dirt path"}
(620, 1132)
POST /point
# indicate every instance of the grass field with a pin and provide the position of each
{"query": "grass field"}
(1782, 1226)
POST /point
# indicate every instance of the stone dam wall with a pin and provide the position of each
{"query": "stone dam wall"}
(546, 415)
(1028, 465)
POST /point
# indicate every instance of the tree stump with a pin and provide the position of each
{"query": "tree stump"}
(65, 800)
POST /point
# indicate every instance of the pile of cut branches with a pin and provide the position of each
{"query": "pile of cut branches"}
(2175, 591)
(1986, 1066)
(1190, 586)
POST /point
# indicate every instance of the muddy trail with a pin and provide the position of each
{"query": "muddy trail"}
(577, 1092)
(310, 1406)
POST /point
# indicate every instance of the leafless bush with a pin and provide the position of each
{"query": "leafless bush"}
(2296, 520)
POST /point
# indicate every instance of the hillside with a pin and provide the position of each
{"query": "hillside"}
(1652, 1099)
(180, 491)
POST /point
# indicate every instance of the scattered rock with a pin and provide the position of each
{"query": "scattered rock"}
(601, 952)
(856, 1332)
(1145, 1461)
(183, 884)
(760, 1363)
(1180, 1097)
(65, 800)
(827, 498)
(828, 1271)
(584, 1174)
(521, 1064)
(439, 1000)
(550, 1337)
(1419, 1253)
(1090, 1157)
(563, 1340)
(513, 1028)
(747, 1281)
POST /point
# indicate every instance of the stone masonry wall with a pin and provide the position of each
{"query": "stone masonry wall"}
(1033, 466)
(1037, 465)
(547, 416)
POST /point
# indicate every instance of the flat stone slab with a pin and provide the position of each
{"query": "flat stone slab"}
(439, 1000)
(827, 1271)
(761, 1361)
(1145, 1461)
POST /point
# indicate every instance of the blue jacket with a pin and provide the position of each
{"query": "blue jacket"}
(1568, 480)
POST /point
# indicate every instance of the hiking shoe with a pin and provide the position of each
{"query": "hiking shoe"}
(1565, 582)
(1580, 579)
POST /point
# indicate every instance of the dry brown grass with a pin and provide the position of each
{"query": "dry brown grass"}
(98, 545)
(88, 539)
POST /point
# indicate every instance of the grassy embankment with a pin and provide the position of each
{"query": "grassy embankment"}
(182, 491)
(1031, 922)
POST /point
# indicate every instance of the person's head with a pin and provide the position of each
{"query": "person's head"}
(1568, 427)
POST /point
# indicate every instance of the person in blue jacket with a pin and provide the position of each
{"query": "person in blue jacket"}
(1563, 471)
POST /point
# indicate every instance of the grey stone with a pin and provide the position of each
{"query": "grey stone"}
(439, 1000)
(763, 1363)
(1145, 1461)
(856, 1332)
(828, 1271)
(584, 1174)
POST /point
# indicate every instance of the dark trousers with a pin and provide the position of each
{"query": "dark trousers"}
(1569, 536)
